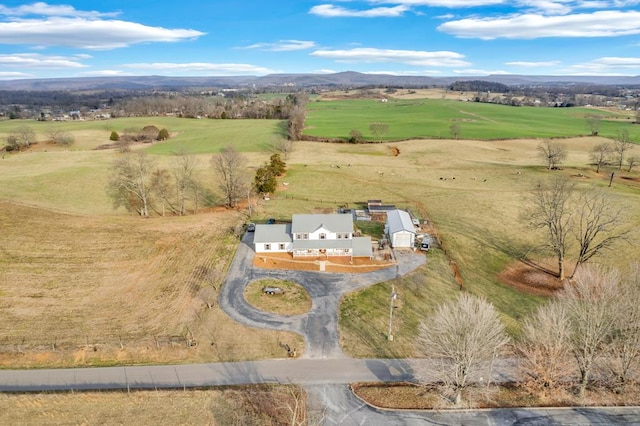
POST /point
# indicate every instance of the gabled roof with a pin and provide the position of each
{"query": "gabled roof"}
(272, 233)
(399, 220)
(339, 222)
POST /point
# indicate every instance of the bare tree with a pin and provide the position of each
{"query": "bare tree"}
(455, 130)
(131, 182)
(553, 153)
(593, 121)
(545, 347)
(600, 154)
(597, 225)
(465, 334)
(632, 161)
(622, 144)
(162, 188)
(379, 130)
(295, 125)
(624, 350)
(185, 174)
(21, 138)
(282, 146)
(552, 212)
(591, 304)
(229, 166)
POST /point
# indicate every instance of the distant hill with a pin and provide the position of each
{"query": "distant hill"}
(341, 79)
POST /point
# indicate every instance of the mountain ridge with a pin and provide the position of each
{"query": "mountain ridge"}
(340, 79)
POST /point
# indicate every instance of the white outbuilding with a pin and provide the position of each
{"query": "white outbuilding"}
(400, 229)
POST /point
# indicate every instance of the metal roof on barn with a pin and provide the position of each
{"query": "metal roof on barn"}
(398, 221)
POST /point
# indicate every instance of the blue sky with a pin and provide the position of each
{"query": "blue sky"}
(258, 37)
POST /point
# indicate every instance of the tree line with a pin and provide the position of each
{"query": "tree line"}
(140, 185)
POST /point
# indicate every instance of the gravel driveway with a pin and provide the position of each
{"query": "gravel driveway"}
(319, 326)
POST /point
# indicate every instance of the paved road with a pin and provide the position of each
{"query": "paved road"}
(319, 326)
(300, 371)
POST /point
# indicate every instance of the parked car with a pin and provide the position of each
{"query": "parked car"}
(251, 227)
(271, 221)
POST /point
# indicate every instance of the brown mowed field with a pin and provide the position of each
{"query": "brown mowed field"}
(81, 290)
(236, 405)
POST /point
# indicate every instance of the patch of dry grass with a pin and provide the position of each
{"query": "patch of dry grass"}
(265, 405)
(413, 396)
(80, 290)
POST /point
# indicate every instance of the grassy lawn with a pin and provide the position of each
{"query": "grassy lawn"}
(294, 301)
(432, 118)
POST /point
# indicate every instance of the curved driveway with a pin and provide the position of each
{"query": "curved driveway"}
(319, 326)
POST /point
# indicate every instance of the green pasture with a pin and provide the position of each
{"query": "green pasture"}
(432, 118)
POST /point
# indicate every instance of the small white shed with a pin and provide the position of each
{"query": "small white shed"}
(400, 229)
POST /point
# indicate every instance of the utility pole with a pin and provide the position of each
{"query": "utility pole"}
(394, 295)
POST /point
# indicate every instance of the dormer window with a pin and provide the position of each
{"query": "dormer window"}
(323, 236)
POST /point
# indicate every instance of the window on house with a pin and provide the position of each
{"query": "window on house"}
(323, 236)
(267, 246)
(281, 246)
(305, 236)
(298, 236)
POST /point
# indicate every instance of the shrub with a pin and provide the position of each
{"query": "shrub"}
(163, 135)
(114, 136)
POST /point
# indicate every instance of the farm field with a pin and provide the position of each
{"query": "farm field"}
(76, 274)
(432, 118)
(474, 192)
(229, 405)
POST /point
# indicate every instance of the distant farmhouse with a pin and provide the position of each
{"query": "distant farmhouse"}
(312, 235)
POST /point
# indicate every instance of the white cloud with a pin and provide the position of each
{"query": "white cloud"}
(408, 57)
(199, 67)
(283, 45)
(531, 26)
(325, 71)
(332, 11)
(104, 73)
(44, 9)
(35, 60)
(4, 75)
(608, 66)
(527, 64)
(87, 34)
(443, 3)
(479, 72)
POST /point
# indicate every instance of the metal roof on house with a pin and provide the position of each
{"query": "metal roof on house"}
(275, 233)
(399, 220)
(362, 247)
(336, 222)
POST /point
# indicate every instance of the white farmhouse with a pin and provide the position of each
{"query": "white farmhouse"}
(313, 235)
(400, 229)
